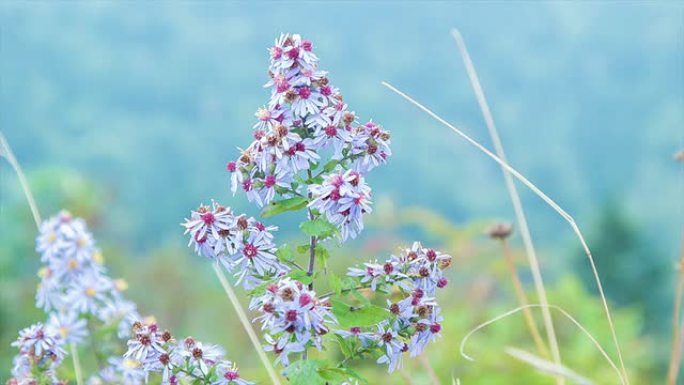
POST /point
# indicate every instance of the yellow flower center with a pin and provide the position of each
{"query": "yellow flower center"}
(72, 264)
(98, 258)
(64, 331)
(129, 363)
(82, 242)
(52, 237)
(121, 284)
(90, 292)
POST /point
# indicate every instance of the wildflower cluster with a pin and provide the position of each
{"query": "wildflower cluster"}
(416, 273)
(84, 303)
(242, 245)
(40, 353)
(74, 283)
(310, 153)
(293, 318)
(305, 119)
(153, 350)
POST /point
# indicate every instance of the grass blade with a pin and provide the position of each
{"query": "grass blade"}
(546, 199)
(515, 199)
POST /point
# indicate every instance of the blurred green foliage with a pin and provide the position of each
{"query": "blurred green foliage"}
(180, 291)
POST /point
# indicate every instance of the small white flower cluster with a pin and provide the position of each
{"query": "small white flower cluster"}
(305, 117)
(343, 198)
(74, 282)
(417, 272)
(240, 243)
(292, 317)
(74, 287)
(40, 353)
(154, 351)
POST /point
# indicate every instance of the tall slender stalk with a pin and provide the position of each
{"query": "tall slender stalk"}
(6, 152)
(676, 353)
(429, 369)
(568, 218)
(515, 200)
(77, 364)
(522, 297)
(246, 324)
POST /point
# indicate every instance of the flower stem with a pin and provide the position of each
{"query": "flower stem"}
(246, 324)
(77, 364)
(522, 299)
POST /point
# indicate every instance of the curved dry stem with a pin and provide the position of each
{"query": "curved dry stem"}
(6, 152)
(246, 324)
(548, 367)
(77, 364)
(515, 200)
(566, 314)
(546, 199)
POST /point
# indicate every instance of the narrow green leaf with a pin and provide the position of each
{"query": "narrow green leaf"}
(363, 316)
(279, 207)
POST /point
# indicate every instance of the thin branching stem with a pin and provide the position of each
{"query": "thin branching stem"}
(545, 198)
(522, 298)
(246, 324)
(515, 200)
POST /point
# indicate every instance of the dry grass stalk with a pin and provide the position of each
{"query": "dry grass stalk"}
(517, 206)
(545, 198)
(548, 367)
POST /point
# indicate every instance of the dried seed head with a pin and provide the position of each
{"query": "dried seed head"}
(501, 230)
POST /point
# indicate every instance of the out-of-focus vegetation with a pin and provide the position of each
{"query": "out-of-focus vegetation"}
(175, 286)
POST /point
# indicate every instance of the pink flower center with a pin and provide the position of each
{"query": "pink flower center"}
(442, 282)
(307, 46)
(331, 131)
(355, 330)
(335, 195)
(250, 251)
(247, 185)
(435, 328)
(388, 268)
(304, 299)
(276, 52)
(208, 219)
(291, 315)
(300, 147)
(325, 90)
(231, 166)
(431, 255)
(304, 92)
(231, 375)
(293, 53)
(270, 181)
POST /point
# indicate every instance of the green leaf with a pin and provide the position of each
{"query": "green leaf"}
(322, 255)
(305, 372)
(319, 227)
(301, 276)
(331, 165)
(363, 316)
(339, 375)
(297, 275)
(303, 249)
(284, 253)
(279, 207)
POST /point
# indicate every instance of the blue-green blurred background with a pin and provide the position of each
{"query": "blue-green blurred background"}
(126, 113)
